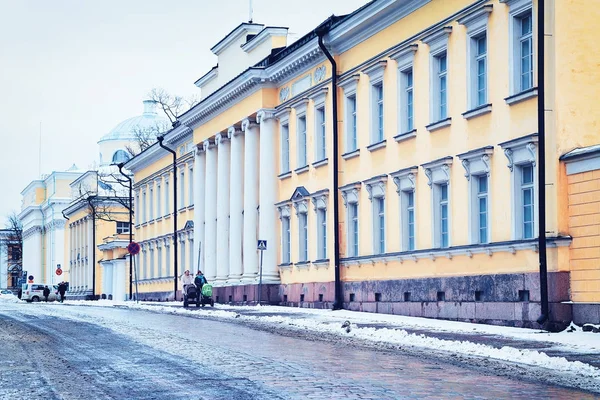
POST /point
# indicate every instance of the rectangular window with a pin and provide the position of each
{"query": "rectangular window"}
(527, 201)
(444, 216)
(303, 237)
(479, 74)
(191, 250)
(144, 272)
(137, 209)
(151, 269)
(408, 101)
(286, 240)
(167, 206)
(352, 138)
(191, 187)
(285, 148)
(144, 215)
(181, 200)
(160, 261)
(158, 202)
(182, 254)
(322, 233)
(482, 207)
(168, 261)
(302, 142)
(378, 134)
(353, 229)
(321, 134)
(525, 25)
(409, 220)
(151, 206)
(442, 76)
(379, 204)
(122, 227)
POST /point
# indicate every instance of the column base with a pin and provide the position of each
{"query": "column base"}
(249, 278)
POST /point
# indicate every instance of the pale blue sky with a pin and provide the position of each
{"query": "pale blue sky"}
(81, 67)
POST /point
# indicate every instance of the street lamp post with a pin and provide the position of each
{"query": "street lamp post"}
(160, 142)
(120, 165)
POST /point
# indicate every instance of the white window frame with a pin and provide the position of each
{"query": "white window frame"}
(167, 257)
(123, 228)
(438, 174)
(301, 207)
(137, 209)
(144, 269)
(151, 201)
(477, 163)
(167, 204)
(159, 211)
(319, 200)
(438, 46)
(404, 61)
(477, 27)
(302, 160)
(351, 142)
(151, 264)
(182, 253)
(286, 233)
(377, 103)
(181, 193)
(350, 196)
(159, 255)
(320, 117)
(521, 152)
(376, 188)
(405, 181)
(144, 208)
(517, 9)
(284, 142)
(191, 185)
(193, 265)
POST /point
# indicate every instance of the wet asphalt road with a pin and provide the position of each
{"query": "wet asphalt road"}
(59, 352)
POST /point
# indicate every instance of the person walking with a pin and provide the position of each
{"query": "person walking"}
(186, 280)
(46, 293)
(199, 281)
(62, 288)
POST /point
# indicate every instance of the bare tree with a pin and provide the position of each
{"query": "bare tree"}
(14, 240)
(172, 106)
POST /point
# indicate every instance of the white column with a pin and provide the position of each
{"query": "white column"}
(199, 211)
(268, 194)
(120, 283)
(90, 266)
(251, 157)
(59, 250)
(210, 212)
(222, 209)
(236, 205)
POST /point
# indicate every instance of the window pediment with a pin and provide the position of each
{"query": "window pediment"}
(477, 162)
(405, 178)
(320, 199)
(376, 186)
(477, 20)
(521, 151)
(350, 193)
(405, 56)
(438, 171)
(284, 209)
(438, 39)
(375, 71)
(300, 105)
(349, 84)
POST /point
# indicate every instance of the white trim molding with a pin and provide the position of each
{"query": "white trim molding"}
(376, 186)
(351, 193)
(477, 162)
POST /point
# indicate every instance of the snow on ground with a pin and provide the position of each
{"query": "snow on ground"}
(394, 331)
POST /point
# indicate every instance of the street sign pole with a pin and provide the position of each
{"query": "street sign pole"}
(262, 246)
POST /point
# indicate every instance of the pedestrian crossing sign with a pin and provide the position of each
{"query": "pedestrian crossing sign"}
(262, 245)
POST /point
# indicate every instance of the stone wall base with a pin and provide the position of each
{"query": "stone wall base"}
(588, 313)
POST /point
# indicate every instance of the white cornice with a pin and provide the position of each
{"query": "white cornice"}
(209, 76)
(38, 183)
(371, 20)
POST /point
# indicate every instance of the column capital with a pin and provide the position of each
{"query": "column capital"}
(265, 114)
(208, 144)
(233, 131)
(247, 123)
(198, 149)
(221, 138)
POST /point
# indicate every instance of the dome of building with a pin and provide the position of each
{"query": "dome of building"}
(148, 120)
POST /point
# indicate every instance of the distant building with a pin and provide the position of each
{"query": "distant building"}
(10, 259)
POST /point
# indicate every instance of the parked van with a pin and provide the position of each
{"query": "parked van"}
(34, 292)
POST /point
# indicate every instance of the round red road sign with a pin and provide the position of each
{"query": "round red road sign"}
(58, 271)
(133, 248)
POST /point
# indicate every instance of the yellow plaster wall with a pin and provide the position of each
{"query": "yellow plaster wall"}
(584, 227)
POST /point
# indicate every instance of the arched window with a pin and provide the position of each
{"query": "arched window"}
(120, 156)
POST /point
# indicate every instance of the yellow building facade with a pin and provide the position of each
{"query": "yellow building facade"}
(437, 162)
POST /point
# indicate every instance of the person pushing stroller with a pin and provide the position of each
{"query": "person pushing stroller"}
(199, 281)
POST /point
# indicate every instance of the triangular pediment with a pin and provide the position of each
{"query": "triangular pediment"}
(300, 193)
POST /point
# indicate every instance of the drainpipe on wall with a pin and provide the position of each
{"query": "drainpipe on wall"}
(130, 227)
(68, 255)
(339, 299)
(542, 168)
(175, 211)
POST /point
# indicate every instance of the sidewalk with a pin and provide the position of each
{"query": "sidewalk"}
(571, 351)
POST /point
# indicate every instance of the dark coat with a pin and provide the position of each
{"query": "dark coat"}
(46, 292)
